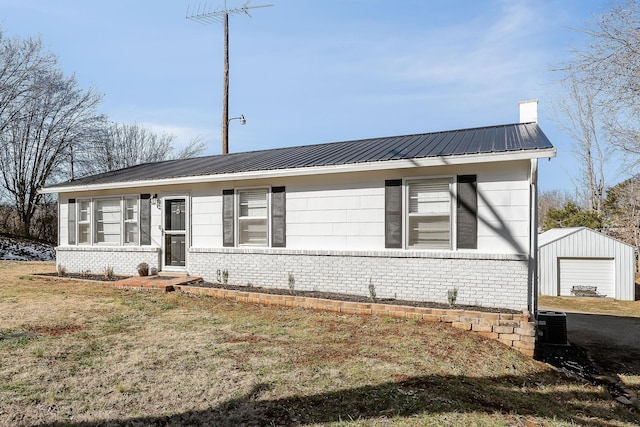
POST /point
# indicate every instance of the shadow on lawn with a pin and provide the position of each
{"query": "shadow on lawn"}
(516, 396)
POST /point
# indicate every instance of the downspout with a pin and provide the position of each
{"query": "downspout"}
(532, 303)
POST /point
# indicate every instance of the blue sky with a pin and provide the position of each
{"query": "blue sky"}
(305, 72)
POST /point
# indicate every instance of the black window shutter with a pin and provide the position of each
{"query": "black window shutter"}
(393, 213)
(228, 235)
(467, 212)
(71, 227)
(278, 217)
(145, 219)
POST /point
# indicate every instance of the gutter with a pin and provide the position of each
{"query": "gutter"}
(533, 240)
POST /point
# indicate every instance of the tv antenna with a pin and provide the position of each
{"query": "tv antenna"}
(207, 15)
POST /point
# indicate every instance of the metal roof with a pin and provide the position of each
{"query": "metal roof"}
(555, 234)
(518, 137)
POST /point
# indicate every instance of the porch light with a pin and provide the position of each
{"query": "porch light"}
(155, 201)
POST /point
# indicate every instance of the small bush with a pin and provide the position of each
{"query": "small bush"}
(292, 282)
(143, 269)
(61, 270)
(452, 295)
(108, 272)
(225, 276)
(372, 291)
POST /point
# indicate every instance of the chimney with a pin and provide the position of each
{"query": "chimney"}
(529, 111)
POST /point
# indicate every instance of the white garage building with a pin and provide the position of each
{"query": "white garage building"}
(579, 256)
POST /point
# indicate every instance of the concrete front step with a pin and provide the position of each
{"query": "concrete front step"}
(163, 283)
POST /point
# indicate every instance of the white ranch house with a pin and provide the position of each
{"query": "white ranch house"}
(415, 216)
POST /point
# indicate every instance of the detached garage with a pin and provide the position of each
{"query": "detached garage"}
(579, 257)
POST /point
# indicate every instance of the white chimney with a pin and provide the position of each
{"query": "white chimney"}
(529, 111)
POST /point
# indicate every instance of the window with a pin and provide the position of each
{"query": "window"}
(131, 221)
(253, 217)
(429, 214)
(84, 222)
(423, 217)
(112, 221)
(107, 221)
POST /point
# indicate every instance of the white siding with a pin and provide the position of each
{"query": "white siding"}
(335, 215)
(503, 208)
(584, 243)
(346, 211)
(206, 217)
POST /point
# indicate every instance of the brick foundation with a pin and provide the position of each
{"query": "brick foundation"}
(487, 280)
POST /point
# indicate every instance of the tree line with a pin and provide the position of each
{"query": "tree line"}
(51, 130)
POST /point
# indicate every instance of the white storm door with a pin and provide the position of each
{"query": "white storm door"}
(175, 233)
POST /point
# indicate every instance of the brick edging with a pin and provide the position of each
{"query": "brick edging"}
(514, 330)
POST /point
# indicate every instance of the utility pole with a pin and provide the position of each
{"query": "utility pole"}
(208, 16)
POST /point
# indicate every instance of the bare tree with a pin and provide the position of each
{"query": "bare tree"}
(609, 68)
(577, 112)
(116, 146)
(195, 148)
(622, 210)
(20, 62)
(46, 114)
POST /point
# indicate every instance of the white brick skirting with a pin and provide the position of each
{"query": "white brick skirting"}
(94, 259)
(488, 280)
(481, 279)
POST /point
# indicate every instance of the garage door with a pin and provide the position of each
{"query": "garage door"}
(598, 272)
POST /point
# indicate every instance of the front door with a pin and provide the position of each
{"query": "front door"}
(175, 232)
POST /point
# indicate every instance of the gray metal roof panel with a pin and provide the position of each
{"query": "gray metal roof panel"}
(494, 139)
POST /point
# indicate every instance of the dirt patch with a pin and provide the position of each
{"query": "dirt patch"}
(55, 330)
(86, 276)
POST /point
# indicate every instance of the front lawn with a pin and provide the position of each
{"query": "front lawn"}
(81, 354)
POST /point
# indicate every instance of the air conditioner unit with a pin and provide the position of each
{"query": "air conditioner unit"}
(552, 327)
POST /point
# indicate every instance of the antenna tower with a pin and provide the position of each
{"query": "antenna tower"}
(206, 15)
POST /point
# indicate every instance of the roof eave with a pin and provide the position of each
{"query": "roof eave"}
(316, 170)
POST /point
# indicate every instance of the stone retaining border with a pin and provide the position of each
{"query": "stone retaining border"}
(514, 330)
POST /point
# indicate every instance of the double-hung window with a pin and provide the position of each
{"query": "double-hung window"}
(253, 217)
(131, 221)
(429, 214)
(109, 221)
(435, 213)
(84, 222)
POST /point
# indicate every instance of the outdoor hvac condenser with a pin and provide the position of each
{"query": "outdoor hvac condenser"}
(552, 327)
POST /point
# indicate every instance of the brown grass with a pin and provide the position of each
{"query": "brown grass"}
(85, 355)
(592, 305)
